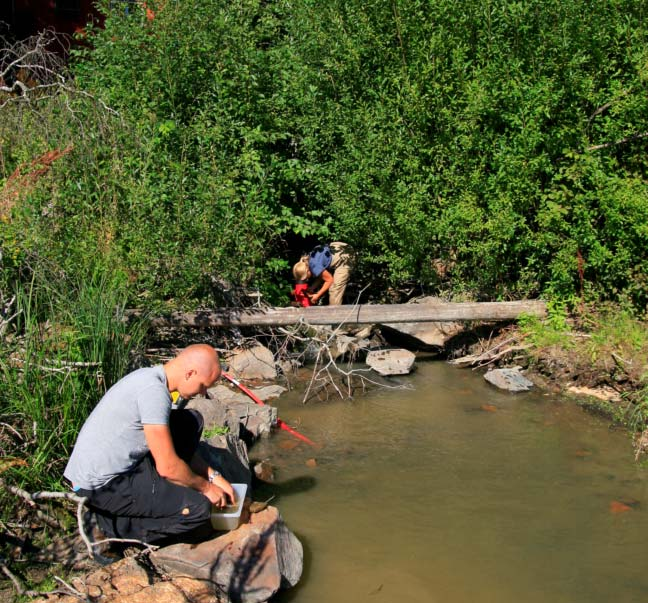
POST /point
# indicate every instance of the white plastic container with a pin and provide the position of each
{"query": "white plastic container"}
(221, 520)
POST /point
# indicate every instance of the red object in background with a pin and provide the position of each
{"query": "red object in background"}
(150, 15)
(299, 295)
(258, 400)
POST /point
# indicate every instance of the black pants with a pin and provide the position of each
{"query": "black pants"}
(144, 506)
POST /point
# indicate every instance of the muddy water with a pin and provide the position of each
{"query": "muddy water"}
(455, 492)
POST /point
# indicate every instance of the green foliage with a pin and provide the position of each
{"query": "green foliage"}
(554, 330)
(637, 412)
(617, 328)
(504, 138)
(214, 431)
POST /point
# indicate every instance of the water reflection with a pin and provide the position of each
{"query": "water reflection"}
(455, 492)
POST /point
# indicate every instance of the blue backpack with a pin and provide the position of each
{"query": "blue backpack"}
(319, 259)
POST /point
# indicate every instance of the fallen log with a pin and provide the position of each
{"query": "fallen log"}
(351, 314)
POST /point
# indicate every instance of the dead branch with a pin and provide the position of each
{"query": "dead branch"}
(496, 357)
(5, 310)
(21, 591)
(72, 590)
(33, 70)
(325, 368)
(31, 64)
(18, 585)
(605, 145)
(600, 110)
(641, 444)
(91, 547)
(48, 521)
(491, 354)
(622, 363)
(26, 496)
(501, 344)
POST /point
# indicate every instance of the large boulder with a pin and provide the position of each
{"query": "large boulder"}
(422, 336)
(229, 393)
(256, 362)
(240, 415)
(391, 362)
(247, 565)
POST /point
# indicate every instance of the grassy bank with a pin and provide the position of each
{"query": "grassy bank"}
(64, 342)
(603, 349)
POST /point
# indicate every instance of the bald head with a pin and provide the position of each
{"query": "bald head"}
(193, 370)
(199, 355)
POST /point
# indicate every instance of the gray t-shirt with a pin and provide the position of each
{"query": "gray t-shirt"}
(112, 439)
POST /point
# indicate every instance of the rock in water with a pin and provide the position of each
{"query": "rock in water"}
(391, 362)
(510, 379)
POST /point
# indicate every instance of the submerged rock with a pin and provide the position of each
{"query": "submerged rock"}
(264, 471)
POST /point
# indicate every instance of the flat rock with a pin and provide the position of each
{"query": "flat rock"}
(249, 564)
(256, 362)
(391, 362)
(269, 392)
(605, 393)
(238, 413)
(510, 379)
(228, 393)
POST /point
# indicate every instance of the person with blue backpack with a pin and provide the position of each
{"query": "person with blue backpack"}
(331, 266)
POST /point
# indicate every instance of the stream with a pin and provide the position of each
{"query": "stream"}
(456, 492)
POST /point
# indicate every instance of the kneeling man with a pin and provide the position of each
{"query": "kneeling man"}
(136, 459)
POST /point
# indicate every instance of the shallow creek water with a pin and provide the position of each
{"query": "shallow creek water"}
(422, 495)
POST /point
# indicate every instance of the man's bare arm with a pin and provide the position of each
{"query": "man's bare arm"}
(170, 466)
(327, 277)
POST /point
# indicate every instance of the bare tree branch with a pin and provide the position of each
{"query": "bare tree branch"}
(618, 142)
(32, 67)
(21, 591)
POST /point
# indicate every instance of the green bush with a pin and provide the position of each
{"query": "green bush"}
(216, 140)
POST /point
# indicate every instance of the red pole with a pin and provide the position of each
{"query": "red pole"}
(258, 400)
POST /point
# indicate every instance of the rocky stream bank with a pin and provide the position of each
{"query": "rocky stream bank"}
(263, 555)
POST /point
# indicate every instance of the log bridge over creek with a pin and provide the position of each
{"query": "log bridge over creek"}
(353, 314)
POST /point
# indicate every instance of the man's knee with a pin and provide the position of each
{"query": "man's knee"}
(198, 510)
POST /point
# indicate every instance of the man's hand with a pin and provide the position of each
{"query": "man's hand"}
(170, 466)
(219, 491)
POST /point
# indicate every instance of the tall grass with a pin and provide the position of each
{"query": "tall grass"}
(68, 344)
